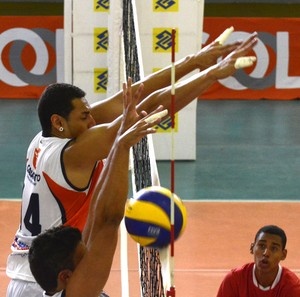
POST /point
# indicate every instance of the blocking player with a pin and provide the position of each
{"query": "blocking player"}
(66, 263)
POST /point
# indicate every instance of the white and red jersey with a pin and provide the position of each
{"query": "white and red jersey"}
(48, 199)
(59, 294)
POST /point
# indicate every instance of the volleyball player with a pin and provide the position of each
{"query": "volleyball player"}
(64, 161)
(66, 263)
(265, 276)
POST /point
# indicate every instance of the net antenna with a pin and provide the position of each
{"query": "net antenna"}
(171, 291)
(144, 173)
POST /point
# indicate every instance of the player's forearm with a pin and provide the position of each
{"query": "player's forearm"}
(162, 78)
(114, 188)
(107, 110)
(186, 91)
(92, 145)
(191, 88)
(110, 194)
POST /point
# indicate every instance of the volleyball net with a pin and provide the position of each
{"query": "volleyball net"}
(144, 165)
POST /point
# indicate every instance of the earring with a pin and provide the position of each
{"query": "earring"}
(61, 129)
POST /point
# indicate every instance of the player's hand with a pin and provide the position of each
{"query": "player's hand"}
(135, 126)
(209, 54)
(232, 62)
(142, 127)
(130, 114)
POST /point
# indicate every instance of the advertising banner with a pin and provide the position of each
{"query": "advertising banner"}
(31, 54)
(156, 21)
(32, 51)
(90, 47)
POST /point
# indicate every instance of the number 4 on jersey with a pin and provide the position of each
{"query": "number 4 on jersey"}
(32, 216)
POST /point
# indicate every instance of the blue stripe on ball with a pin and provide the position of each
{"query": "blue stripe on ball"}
(145, 229)
(164, 202)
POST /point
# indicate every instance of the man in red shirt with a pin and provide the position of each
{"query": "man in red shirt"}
(265, 276)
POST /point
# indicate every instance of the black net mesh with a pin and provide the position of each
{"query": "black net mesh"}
(150, 266)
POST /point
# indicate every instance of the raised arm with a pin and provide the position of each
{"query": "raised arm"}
(107, 110)
(107, 206)
(189, 89)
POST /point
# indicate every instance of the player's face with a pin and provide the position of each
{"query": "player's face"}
(268, 252)
(80, 118)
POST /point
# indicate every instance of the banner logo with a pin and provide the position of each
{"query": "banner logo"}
(100, 40)
(162, 40)
(101, 5)
(100, 80)
(165, 126)
(165, 5)
(15, 69)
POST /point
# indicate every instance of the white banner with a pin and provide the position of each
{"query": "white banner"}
(156, 20)
(90, 45)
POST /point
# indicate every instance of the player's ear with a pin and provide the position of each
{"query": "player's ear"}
(284, 254)
(56, 121)
(64, 276)
(251, 247)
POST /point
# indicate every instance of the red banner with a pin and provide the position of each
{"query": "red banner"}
(276, 74)
(29, 51)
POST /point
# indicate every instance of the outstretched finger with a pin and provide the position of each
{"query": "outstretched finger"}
(223, 37)
(245, 47)
(138, 94)
(243, 62)
(249, 41)
(158, 115)
(228, 48)
(245, 50)
(126, 92)
(153, 117)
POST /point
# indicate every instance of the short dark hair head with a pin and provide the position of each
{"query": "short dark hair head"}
(51, 252)
(57, 99)
(274, 230)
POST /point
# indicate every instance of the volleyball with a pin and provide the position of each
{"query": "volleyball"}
(148, 217)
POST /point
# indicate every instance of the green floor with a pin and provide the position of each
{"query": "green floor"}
(245, 150)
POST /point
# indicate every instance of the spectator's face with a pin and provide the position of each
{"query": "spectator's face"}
(268, 252)
(80, 118)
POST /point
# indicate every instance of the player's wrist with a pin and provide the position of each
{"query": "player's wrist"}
(196, 60)
(188, 63)
(212, 74)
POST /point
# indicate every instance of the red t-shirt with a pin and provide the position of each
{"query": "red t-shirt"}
(239, 283)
